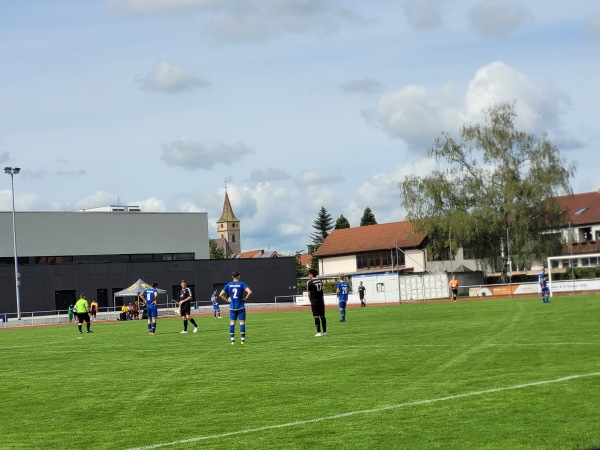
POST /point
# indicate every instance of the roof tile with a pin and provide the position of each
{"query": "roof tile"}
(371, 238)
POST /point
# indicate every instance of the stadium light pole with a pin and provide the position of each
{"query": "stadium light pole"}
(12, 171)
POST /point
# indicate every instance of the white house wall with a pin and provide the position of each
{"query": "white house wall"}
(337, 264)
(416, 259)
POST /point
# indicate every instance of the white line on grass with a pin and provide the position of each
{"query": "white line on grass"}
(367, 411)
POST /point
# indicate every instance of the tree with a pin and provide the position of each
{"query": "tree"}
(342, 222)
(368, 218)
(323, 224)
(495, 186)
(214, 250)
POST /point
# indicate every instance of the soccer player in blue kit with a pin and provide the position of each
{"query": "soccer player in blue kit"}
(544, 289)
(342, 294)
(214, 299)
(236, 292)
(149, 298)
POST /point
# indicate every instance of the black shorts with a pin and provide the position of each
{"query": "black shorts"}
(186, 308)
(83, 317)
(317, 307)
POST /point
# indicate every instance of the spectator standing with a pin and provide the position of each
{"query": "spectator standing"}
(93, 309)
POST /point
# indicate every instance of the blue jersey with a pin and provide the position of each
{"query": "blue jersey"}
(213, 299)
(343, 289)
(235, 291)
(542, 279)
(150, 295)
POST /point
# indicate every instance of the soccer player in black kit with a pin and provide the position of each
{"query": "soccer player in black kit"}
(317, 303)
(185, 307)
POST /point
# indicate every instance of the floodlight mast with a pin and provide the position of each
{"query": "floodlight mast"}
(12, 171)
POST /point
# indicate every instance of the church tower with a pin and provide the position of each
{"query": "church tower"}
(228, 228)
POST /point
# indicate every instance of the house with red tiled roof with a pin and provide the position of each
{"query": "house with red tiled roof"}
(255, 254)
(580, 228)
(385, 247)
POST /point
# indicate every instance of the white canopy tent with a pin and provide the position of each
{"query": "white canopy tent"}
(134, 290)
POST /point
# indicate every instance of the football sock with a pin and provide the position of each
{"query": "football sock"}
(149, 327)
(194, 323)
(324, 324)
(318, 324)
(79, 326)
(343, 314)
(232, 332)
(154, 327)
(185, 325)
(243, 332)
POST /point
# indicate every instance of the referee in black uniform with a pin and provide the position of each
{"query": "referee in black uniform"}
(317, 303)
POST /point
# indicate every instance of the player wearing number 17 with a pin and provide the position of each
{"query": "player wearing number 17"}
(342, 294)
(236, 292)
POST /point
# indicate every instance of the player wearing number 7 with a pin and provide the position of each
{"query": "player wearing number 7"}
(236, 292)
(342, 294)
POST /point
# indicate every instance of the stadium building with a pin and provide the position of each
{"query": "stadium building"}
(102, 251)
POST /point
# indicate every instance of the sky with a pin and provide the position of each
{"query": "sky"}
(292, 105)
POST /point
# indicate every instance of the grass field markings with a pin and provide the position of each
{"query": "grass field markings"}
(369, 411)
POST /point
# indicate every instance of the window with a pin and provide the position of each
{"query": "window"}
(580, 211)
(378, 260)
(554, 264)
(142, 258)
(585, 262)
(467, 254)
(233, 238)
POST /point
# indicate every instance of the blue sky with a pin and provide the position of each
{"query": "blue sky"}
(297, 103)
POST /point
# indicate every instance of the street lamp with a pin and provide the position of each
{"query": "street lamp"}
(12, 171)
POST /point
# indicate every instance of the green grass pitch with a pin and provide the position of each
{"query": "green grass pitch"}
(489, 374)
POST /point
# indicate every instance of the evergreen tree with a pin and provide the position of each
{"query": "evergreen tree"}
(323, 225)
(342, 222)
(368, 218)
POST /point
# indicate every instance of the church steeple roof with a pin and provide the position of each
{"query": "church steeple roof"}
(227, 215)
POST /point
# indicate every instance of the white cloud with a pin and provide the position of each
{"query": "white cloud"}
(96, 200)
(311, 178)
(165, 77)
(593, 25)
(423, 13)
(158, 6)
(418, 116)
(539, 106)
(151, 204)
(193, 154)
(25, 202)
(258, 19)
(364, 85)
(497, 18)
(268, 174)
